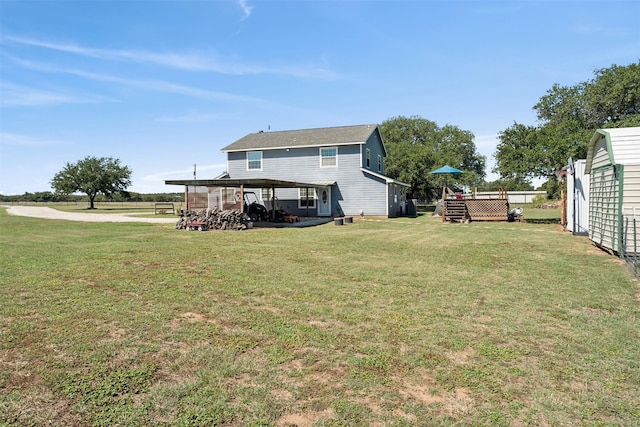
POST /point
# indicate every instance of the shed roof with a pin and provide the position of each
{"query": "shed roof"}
(340, 135)
(623, 146)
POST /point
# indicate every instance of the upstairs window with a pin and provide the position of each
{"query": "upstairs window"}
(379, 163)
(368, 158)
(254, 160)
(328, 157)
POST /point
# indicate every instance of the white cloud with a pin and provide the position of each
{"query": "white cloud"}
(21, 96)
(192, 61)
(20, 140)
(246, 9)
(181, 61)
(154, 85)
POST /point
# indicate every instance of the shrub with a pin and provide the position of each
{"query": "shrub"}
(539, 200)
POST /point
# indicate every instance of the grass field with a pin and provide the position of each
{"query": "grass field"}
(147, 209)
(381, 322)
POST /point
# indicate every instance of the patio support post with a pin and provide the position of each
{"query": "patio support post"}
(273, 203)
(444, 202)
(241, 198)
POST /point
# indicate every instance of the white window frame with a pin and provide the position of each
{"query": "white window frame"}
(249, 161)
(266, 194)
(368, 158)
(379, 163)
(322, 158)
(229, 194)
(303, 197)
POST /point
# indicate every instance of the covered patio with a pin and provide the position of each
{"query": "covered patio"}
(242, 185)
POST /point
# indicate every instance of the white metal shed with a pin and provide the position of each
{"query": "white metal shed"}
(578, 198)
(613, 163)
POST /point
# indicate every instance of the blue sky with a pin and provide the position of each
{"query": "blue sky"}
(164, 85)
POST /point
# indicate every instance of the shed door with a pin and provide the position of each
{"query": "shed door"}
(604, 208)
(324, 201)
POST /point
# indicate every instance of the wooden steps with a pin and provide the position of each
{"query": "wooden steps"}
(475, 210)
(465, 210)
(455, 211)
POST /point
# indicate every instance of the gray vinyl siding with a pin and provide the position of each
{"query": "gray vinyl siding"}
(354, 191)
(375, 145)
(365, 194)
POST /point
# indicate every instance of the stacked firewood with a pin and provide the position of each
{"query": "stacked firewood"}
(228, 219)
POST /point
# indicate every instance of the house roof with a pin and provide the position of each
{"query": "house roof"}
(341, 135)
(623, 146)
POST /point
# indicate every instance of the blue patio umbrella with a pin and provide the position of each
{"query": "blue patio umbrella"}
(446, 170)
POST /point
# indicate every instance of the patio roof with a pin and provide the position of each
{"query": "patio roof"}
(248, 182)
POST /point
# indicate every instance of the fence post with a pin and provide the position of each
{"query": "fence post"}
(629, 250)
(636, 256)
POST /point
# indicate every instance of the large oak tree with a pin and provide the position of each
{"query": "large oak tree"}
(92, 176)
(416, 146)
(568, 116)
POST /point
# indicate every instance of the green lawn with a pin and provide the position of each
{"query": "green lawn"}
(380, 322)
(133, 208)
(537, 214)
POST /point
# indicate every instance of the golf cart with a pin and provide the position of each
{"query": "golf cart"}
(253, 207)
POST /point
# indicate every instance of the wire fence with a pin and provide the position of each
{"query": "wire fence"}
(630, 250)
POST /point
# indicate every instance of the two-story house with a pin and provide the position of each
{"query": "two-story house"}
(334, 171)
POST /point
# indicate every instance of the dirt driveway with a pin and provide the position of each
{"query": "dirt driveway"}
(49, 213)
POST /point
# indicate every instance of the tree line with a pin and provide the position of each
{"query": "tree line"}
(51, 197)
